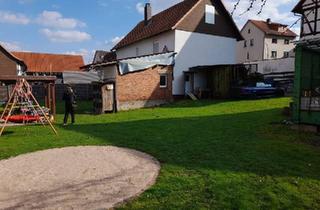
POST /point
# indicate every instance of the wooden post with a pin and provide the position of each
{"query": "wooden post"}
(53, 99)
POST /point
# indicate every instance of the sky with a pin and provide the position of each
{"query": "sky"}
(83, 26)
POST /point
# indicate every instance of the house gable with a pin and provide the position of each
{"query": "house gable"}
(195, 21)
(9, 63)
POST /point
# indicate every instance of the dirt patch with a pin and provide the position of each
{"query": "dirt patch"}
(75, 178)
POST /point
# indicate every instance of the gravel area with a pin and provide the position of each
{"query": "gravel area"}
(75, 178)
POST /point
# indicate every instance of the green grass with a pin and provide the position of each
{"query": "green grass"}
(214, 155)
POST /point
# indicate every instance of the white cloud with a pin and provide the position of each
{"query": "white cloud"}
(65, 35)
(112, 42)
(11, 46)
(55, 19)
(273, 9)
(140, 8)
(14, 18)
(116, 40)
(87, 54)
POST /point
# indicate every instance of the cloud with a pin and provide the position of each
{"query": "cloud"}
(273, 9)
(140, 8)
(65, 36)
(116, 40)
(13, 18)
(87, 54)
(112, 42)
(11, 46)
(54, 19)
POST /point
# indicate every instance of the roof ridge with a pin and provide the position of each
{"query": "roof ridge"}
(45, 53)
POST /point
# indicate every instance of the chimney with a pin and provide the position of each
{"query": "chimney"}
(147, 13)
(269, 21)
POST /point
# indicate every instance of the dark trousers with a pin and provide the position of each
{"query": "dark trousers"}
(68, 110)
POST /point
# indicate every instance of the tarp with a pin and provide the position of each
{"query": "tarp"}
(145, 62)
(80, 77)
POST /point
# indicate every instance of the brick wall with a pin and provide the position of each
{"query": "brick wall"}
(144, 85)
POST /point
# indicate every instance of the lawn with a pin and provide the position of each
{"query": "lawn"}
(214, 155)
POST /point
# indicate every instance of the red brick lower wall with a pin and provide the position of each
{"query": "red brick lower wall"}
(144, 85)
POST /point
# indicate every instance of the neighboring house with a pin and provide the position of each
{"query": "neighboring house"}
(265, 40)
(10, 65)
(49, 64)
(310, 18)
(307, 79)
(172, 53)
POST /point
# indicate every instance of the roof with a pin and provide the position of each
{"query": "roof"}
(104, 57)
(11, 56)
(272, 28)
(159, 23)
(43, 62)
(298, 7)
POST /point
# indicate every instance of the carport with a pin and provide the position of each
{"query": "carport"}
(213, 81)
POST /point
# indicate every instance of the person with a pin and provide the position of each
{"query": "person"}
(70, 102)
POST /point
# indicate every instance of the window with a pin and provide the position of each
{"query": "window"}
(155, 47)
(285, 54)
(163, 81)
(273, 54)
(249, 31)
(137, 51)
(210, 14)
(286, 41)
(251, 42)
(248, 56)
(274, 41)
(245, 43)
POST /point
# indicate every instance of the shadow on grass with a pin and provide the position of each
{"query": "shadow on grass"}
(244, 142)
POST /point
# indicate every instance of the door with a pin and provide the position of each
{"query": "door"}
(108, 97)
(188, 83)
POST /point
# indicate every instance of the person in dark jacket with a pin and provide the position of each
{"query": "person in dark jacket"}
(70, 102)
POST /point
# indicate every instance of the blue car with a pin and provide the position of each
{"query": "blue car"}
(259, 90)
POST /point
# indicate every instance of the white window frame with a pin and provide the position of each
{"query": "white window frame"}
(276, 54)
(210, 12)
(166, 77)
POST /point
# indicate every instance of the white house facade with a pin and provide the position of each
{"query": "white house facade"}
(265, 40)
(200, 32)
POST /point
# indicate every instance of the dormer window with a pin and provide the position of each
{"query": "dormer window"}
(210, 14)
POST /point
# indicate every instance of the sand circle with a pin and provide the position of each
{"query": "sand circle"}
(75, 178)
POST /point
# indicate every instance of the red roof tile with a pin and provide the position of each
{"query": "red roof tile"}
(272, 28)
(159, 23)
(56, 63)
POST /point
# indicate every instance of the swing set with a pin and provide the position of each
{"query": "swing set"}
(23, 108)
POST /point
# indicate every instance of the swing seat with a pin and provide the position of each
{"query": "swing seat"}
(23, 118)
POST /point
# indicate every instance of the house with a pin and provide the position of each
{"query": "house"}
(306, 105)
(265, 40)
(192, 39)
(309, 12)
(10, 64)
(49, 64)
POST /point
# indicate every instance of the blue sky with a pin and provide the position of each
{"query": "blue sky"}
(83, 26)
